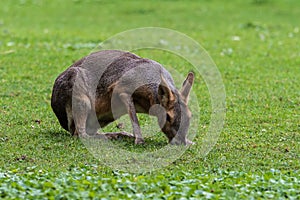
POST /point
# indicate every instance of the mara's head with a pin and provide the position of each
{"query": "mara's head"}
(177, 114)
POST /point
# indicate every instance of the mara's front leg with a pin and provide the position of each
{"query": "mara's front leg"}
(128, 102)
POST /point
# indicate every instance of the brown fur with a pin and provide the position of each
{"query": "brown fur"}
(84, 94)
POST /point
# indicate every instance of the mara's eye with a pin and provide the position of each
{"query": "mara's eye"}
(168, 118)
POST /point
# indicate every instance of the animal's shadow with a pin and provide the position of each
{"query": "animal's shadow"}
(119, 139)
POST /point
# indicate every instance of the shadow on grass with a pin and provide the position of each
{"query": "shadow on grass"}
(58, 135)
(127, 143)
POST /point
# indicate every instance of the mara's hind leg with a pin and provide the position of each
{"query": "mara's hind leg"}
(81, 107)
(118, 135)
(92, 124)
(85, 118)
(71, 124)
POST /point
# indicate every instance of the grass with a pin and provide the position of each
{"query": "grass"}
(254, 43)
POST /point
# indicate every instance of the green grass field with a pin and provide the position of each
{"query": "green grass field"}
(254, 43)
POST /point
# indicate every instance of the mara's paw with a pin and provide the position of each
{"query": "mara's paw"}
(139, 141)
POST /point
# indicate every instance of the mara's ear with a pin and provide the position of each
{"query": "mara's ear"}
(165, 95)
(186, 86)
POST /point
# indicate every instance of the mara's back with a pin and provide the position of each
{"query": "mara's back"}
(100, 70)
